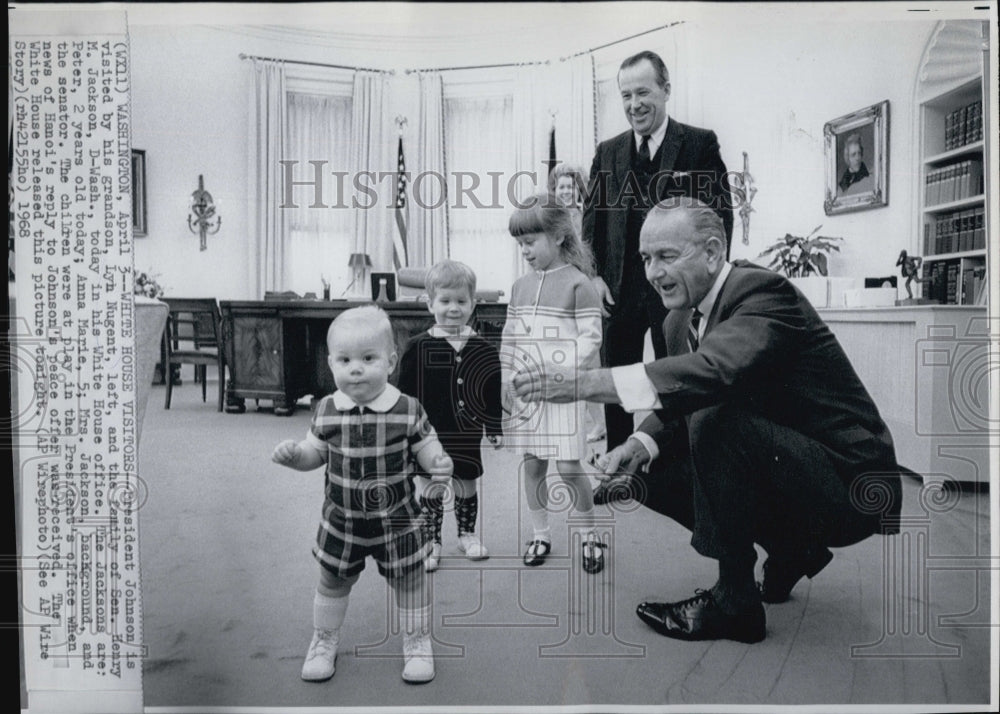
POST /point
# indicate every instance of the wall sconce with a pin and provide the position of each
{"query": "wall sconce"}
(203, 219)
(359, 263)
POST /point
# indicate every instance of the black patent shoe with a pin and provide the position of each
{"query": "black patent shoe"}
(593, 563)
(781, 574)
(700, 618)
(537, 551)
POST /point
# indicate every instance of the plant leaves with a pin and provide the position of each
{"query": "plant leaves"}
(820, 261)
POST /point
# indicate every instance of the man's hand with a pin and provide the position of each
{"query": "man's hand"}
(552, 384)
(286, 453)
(625, 459)
(603, 292)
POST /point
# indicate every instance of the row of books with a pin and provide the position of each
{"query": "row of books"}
(946, 283)
(954, 182)
(963, 126)
(956, 231)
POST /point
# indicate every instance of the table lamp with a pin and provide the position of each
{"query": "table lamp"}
(359, 264)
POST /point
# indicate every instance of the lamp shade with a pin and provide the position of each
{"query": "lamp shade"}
(359, 260)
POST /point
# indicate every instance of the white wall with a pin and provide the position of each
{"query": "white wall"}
(768, 89)
(765, 88)
(189, 113)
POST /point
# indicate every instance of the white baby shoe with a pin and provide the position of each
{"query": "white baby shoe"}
(469, 544)
(419, 658)
(431, 563)
(321, 657)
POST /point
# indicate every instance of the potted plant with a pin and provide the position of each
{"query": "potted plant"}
(803, 259)
(146, 284)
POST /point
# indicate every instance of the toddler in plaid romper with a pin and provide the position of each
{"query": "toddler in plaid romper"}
(367, 434)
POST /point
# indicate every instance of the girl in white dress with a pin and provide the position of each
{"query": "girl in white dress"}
(554, 318)
(566, 181)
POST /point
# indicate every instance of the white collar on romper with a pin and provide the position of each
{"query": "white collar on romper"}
(382, 403)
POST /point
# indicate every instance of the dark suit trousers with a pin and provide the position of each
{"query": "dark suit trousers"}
(745, 480)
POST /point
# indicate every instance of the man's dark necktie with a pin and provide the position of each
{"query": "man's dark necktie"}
(693, 330)
(644, 149)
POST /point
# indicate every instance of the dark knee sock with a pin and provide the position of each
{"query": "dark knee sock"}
(433, 517)
(736, 590)
(466, 510)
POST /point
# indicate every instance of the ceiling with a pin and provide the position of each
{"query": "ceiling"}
(487, 32)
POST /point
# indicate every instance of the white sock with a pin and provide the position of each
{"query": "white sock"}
(329, 612)
(586, 521)
(540, 524)
(415, 621)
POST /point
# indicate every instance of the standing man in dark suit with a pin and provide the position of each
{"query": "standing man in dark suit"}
(762, 432)
(657, 158)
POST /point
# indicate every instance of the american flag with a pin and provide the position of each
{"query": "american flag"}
(399, 257)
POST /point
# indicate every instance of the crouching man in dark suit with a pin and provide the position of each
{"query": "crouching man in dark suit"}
(762, 432)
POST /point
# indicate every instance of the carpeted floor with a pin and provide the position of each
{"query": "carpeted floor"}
(228, 579)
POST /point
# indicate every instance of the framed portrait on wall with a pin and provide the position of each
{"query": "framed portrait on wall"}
(139, 227)
(856, 146)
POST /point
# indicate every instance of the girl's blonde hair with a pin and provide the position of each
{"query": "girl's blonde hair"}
(542, 213)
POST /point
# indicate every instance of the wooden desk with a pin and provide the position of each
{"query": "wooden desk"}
(927, 367)
(276, 350)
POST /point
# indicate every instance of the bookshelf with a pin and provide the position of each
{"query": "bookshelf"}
(953, 183)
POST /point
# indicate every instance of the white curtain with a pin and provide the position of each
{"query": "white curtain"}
(267, 133)
(372, 150)
(320, 237)
(534, 103)
(576, 145)
(611, 119)
(428, 241)
(479, 140)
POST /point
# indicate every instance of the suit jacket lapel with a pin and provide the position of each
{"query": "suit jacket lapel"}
(623, 157)
(672, 141)
(675, 330)
(713, 319)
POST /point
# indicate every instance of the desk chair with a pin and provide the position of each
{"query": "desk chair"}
(194, 336)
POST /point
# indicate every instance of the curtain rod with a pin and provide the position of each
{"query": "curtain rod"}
(315, 64)
(561, 59)
(624, 39)
(478, 66)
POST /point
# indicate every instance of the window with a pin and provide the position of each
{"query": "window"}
(319, 238)
(479, 141)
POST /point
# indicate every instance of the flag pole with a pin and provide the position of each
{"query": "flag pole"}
(400, 255)
(552, 141)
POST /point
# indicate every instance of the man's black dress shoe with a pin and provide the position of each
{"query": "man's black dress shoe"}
(781, 574)
(700, 618)
(615, 489)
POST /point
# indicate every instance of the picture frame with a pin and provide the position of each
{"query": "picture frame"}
(139, 225)
(856, 148)
(390, 286)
